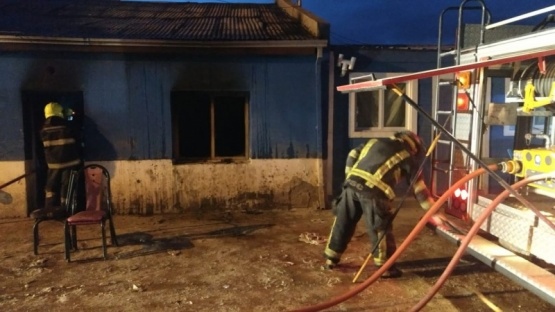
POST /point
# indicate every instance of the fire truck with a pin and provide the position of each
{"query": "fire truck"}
(494, 103)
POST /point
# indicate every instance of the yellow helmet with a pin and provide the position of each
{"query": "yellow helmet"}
(53, 109)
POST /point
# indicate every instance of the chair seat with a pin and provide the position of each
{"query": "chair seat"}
(97, 208)
(87, 216)
(49, 213)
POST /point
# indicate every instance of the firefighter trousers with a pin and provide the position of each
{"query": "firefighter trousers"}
(57, 182)
(351, 207)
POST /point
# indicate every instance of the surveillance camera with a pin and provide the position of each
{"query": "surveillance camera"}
(352, 63)
(345, 64)
(339, 60)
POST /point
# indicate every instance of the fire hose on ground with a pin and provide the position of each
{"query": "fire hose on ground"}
(408, 240)
(473, 230)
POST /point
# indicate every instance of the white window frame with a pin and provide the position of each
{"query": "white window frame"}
(380, 131)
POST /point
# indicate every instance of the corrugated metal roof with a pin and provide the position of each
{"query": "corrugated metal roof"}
(189, 21)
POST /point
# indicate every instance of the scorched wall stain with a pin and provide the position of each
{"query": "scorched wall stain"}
(256, 185)
(127, 127)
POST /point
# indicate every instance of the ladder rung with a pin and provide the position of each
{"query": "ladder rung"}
(446, 170)
(444, 112)
(449, 142)
(452, 52)
(440, 169)
(446, 83)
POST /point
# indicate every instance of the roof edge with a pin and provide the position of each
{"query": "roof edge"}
(163, 44)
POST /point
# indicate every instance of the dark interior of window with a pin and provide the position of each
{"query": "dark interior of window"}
(367, 110)
(229, 120)
(208, 125)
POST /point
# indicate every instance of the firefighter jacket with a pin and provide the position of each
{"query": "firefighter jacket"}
(60, 147)
(380, 164)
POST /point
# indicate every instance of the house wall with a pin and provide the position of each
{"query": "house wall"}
(256, 185)
(375, 60)
(127, 127)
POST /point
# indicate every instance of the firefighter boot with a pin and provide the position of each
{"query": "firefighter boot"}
(329, 265)
(392, 272)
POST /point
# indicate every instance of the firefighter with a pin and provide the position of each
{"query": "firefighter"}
(372, 171)
(61, 152)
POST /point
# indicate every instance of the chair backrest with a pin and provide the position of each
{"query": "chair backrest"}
(71, 189)
(97, 188)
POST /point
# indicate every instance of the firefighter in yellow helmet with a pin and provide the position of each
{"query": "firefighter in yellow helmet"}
(372, 171)
(61, 152)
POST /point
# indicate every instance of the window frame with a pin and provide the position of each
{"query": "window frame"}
(177, 156)
(381, 131)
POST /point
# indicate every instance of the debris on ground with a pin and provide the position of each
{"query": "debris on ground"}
(312, 238)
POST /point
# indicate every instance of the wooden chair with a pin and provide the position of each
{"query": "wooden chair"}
(56, 213)
(97, 210)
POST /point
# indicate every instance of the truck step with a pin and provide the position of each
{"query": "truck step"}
(534, 278)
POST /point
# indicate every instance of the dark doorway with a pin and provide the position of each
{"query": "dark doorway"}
(33, 118)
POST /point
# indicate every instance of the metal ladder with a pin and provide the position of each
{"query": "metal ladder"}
(447, 160)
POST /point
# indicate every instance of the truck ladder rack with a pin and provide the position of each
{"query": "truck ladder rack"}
(383, 83)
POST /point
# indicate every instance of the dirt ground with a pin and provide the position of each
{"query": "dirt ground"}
(237, 261)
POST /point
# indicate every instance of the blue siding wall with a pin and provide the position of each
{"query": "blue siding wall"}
(127, 99)
(286, 114)
(11, 127)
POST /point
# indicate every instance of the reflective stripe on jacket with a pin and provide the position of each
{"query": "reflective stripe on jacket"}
(60, 147)
(380, 164)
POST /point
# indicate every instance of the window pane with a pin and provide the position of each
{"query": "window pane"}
(191, 119)
(394, 108)
(229, 122)
(367, 110)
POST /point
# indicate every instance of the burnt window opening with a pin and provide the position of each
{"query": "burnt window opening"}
(209, 126)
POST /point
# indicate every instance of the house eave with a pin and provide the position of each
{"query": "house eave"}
(27, 43)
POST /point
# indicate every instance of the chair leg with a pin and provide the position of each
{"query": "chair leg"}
(36, 237)
(74, 237)
(113, 236)
(67, 241)
(102, 225)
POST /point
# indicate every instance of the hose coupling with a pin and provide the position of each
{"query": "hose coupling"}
(511, 167)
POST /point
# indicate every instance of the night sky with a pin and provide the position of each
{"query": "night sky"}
(408, 22)
(402, 22)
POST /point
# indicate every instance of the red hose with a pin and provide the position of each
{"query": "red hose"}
(412, 235)
(464, 243)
